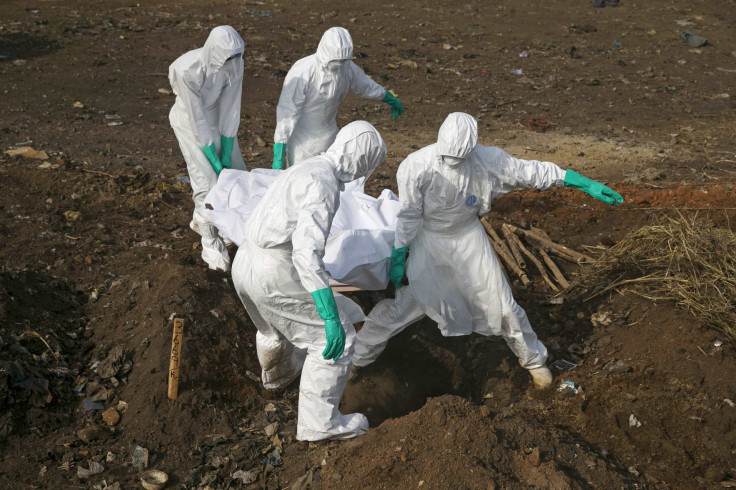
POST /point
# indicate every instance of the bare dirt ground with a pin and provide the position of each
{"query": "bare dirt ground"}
(96, 257)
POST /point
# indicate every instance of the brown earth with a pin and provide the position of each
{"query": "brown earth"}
(97, 253)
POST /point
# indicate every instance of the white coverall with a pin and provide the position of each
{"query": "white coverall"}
(454, 275)
(278, 265)
(208, 90)
(312, 92)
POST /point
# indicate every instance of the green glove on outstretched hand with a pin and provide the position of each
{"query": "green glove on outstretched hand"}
(278, 156)
(335, 334)
(211, 153)
(398, 266)
(226, 144)
(397, 108)
(593, 188)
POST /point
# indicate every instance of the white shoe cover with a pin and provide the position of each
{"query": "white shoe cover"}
(542, 377)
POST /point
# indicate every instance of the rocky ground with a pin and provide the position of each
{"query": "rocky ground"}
(97, 258)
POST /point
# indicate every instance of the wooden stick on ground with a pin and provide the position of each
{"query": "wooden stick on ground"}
(495, 239)
(512, 245)
(536, 262)
(509, 260)
(561, 250)
(175, 359)
(555, 270)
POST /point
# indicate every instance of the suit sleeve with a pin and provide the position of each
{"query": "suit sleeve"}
(310, 235)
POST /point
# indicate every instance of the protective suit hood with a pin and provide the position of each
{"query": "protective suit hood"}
(336, 44)
(222, 43)
(358, 149)
(458, 136)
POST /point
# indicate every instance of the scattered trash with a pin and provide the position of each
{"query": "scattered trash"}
(218, 314)
(110, 366)
(259, 13)
(78, 105)
(245, 476)
(601, 318)
(729, 402)
(568, 385)
(139, 456)
(113, 119)
(183, 180)
(164, 91)
(564, 365)
(604, 3)
(727, 70)
(518, 72)
(633, 421)
(717, 343)
(72, 215)
(539, 125)
(523, 54)
(583, 29)
(90, 405)
(694, 41)
(154, 479)
(617, 43)
(269, 408)
(94, 469)
(28, 152)
(271, 455)
(555, 301)
(619, 367)
(488, 396)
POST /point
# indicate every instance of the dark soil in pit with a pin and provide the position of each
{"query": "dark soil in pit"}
(96, 257)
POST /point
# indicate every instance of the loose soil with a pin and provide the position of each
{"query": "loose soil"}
(97, 258)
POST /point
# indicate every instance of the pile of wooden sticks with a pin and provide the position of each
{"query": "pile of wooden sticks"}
(519, 246)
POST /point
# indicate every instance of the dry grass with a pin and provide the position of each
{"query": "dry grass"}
(679, 259)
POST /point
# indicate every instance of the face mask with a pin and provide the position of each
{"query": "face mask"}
(452, 161)
(335, 65)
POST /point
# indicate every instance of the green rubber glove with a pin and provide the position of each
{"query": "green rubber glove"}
(397, 108)
(335, 334)
(226, 144)
(593, 188)
(211, 153)
(278, 156)
(398, 266)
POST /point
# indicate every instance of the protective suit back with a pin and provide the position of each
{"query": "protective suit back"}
(312, 92)
(279, 264)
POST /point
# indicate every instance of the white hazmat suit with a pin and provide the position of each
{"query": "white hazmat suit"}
(208, 84)
(454, 275)
(279, 263)
(312, 92)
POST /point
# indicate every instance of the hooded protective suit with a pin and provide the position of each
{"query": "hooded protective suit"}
(208, 84)
(454, 275)
(278, 265)
(312, 92)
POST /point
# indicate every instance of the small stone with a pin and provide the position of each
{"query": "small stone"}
(485, 411)
(714, 474)
(535, 457)
(271, 429)
(89, 434)
(619, 367)
(111, 416)
(439, 417)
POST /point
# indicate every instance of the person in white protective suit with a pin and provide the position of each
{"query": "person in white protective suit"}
(453, 274)
(208, 83)
(280, 277)
(312, 92)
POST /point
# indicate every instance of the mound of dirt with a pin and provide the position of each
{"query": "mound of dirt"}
(450, 442)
